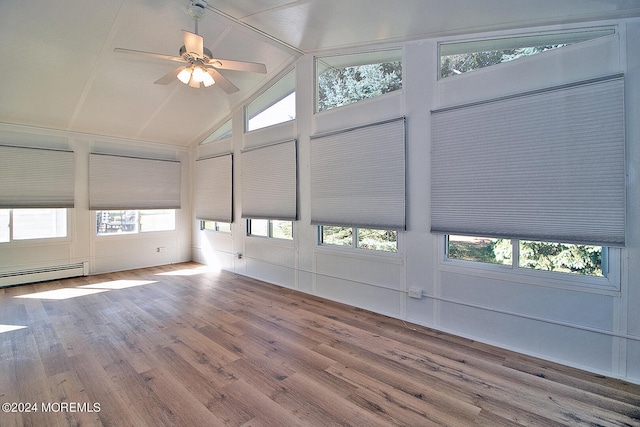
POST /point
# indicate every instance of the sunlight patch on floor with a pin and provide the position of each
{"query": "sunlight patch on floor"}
(9, 328)
(61, 294)
(118, 284)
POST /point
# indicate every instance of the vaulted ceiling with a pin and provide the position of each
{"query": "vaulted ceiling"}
(58, 68)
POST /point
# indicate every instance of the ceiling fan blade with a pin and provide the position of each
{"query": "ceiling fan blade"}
(152, 55)
(170, 77)
(223, 82)
(193, 43)
(227, 64)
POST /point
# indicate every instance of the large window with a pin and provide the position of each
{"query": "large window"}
(360, 238)
(345, 79)
(271, 228)
(27, 224)
(585, 260)
(546, 165)
(276, 105)
(462, 57)
(134, 221)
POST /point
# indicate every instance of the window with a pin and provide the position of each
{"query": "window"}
(271, 228)
(345, 79)
(585, 260)
(222, 132)
(269, 181)
(347, 186)
(462, 57)
(276, 105)
(361, 238)
(28, 224)
(546, 165)
(223, 227)
(134, 221)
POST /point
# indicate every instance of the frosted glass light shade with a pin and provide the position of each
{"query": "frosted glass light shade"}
(184, 75)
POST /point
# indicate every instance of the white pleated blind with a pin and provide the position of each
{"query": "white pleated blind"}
(117, 182)
(358, 177)
(214, 188)
(269, 182)
(547, 165)
(36, 178)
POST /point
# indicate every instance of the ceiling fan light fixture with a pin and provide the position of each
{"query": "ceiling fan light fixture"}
(198, 74)
(194, 83)
(185, 75)
(207, 80)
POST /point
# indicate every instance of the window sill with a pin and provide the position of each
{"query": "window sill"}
(505, 273)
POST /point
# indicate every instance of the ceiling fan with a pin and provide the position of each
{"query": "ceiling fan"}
(201, 68)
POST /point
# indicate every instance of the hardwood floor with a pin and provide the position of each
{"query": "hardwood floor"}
(180, 346)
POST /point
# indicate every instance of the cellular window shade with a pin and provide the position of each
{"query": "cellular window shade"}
(214, 188)
(546, 165)
(36, 178)
(358, 177)
(118, 182)
(269, 182)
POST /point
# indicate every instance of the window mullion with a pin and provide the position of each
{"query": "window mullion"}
(10, 225)
(515, 254)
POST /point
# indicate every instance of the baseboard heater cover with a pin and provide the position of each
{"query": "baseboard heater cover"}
(40, 274)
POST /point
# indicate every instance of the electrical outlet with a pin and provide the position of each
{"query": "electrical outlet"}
(161, 249)
(415, 293)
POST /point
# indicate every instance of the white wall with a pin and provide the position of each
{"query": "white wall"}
(553, 319)
(103, 253)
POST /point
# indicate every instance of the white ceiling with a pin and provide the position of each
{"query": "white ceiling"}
(58, 69)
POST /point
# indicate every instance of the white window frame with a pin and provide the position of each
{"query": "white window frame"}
(354, 60)
(354, 242)
(270, 230)
(224, 131)
(38, 240)
(271, 96)
(216, 226)
(608, 285)
(137, 231)
(567, 38)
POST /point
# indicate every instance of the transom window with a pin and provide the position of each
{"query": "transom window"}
(462, 57)
(276, 105)
(222, 132)
(345, 79)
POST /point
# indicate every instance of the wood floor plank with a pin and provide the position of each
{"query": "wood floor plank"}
(182, 345)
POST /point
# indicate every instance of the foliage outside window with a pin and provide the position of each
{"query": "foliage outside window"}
(583, 260)
(362, 238)
(223, 227)
(276, 105)
(224, 131)
(462, 57)
(271, 228)
(134, 221)
(346, 79)
(28, 224)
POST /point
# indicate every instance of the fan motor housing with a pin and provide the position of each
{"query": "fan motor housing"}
(189, 56)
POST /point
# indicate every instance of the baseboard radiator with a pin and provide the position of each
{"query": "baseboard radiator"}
(40, 274)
